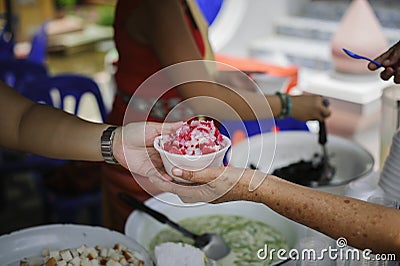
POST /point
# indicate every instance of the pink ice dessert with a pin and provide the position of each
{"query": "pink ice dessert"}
(196, 145)
(194, 138)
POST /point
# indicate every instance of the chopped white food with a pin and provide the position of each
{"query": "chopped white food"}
(66, 255)
(61, 263)
(119, 255)
(171, 254)
(81, 249)
(54, 254)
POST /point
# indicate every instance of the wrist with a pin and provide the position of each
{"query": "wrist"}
(118, 150)
(286, 105)
(255, 186)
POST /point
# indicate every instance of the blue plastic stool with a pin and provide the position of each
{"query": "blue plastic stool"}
(210, 9)
(67, 85)
(6, 45)
(39, 46)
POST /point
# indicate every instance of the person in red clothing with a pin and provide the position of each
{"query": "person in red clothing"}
(151, 35)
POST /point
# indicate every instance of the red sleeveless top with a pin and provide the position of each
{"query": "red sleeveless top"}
(137, 62)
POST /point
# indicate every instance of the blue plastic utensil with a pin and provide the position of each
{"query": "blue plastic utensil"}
(356, 56)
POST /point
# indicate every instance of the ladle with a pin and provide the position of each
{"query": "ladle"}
(213, 246)
(328, 170)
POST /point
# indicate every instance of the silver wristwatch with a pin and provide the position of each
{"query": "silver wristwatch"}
(107, 144)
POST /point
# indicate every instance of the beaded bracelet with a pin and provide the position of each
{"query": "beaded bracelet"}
(289, 104)
(286, 104)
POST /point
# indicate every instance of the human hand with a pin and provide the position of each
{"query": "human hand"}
(133, 147)
(391, 61)
(309, 107)
(212, 184)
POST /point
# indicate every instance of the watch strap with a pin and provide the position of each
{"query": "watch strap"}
(107, 145)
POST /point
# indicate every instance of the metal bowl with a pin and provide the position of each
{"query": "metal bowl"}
(270, 151)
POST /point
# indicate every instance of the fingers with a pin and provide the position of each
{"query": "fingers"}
(324, 110)
(383, 59)
(163, 184)
(391, 72)
(166, 177)
(387, 58)
(168, 128)
(154, 129)
(387, 73)
(390, 60)
(185, 192)
(397, 77)
(201, 177)
(391, 57)
(309, 107)
(372, 66)
(325, 113)
(209, 185)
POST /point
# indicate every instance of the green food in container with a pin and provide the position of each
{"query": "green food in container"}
(243, 235)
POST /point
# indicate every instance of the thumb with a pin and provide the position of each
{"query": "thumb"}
(372, 66)
(154, 129)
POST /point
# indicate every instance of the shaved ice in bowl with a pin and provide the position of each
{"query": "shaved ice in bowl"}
(196, 145)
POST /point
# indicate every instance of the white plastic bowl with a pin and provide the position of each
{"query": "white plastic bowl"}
(191, 162)
(30, 242)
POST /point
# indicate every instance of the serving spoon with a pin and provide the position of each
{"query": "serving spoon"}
(328, 170)
(213, 246)
(357, 56)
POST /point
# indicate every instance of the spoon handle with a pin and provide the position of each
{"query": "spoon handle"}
(322, 133)
(375, 62)
(357, 56)
(322, 139)
(155, 214)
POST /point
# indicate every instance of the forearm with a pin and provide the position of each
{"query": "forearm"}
(167, 32)
(43, 131)
(336, 216)
(228, 103)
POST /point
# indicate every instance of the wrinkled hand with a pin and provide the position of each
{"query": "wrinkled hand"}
(133, 146)
(309, 107)
(212, 184)
(391, 60)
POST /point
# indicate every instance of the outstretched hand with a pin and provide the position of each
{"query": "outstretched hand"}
(309, 107)
(213, 185)
(391, 61)
(133, 146)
